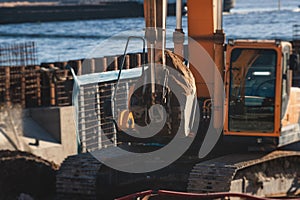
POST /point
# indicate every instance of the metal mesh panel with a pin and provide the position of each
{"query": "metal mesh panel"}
(96, 110)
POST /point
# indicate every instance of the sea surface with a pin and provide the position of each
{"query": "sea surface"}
(62, 41)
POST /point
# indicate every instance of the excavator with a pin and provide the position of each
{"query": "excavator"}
(231, 109)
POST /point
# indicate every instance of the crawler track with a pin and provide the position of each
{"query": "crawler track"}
(77, 177)
(259, 174)
(83, 177)
(22, 172)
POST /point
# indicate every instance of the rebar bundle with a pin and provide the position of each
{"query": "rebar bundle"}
(296, 32)
(18, 54)
(19, 74)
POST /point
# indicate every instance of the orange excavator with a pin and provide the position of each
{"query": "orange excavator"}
(234, 103)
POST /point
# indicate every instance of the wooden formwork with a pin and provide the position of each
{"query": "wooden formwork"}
(57, 84)
(19, 74)
(63, 87)
(51, 84)
(60, 80)
(31, 76)
(2, 85)
(20, 85)
(107, 63)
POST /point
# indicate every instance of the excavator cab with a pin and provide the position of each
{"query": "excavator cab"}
(260, 101)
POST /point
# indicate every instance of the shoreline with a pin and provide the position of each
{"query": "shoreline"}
(72, 12)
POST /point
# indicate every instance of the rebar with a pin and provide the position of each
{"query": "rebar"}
(18, 54)
(296, 31)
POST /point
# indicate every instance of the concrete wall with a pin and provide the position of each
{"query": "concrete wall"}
(59, 122)
(49, 119)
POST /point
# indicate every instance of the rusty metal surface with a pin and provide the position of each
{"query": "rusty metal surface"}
(20, 85)
(24, 82)
(18, 72)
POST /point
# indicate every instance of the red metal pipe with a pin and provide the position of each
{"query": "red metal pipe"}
(136, 195)
(208, 195)
(186, 195)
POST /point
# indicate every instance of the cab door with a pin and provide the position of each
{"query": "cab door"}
(253, 91)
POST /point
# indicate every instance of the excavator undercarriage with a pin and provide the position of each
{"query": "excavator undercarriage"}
(260, 103)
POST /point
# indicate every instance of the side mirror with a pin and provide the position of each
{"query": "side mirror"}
(295, 62)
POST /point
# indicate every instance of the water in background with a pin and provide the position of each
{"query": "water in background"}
(62, 41)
